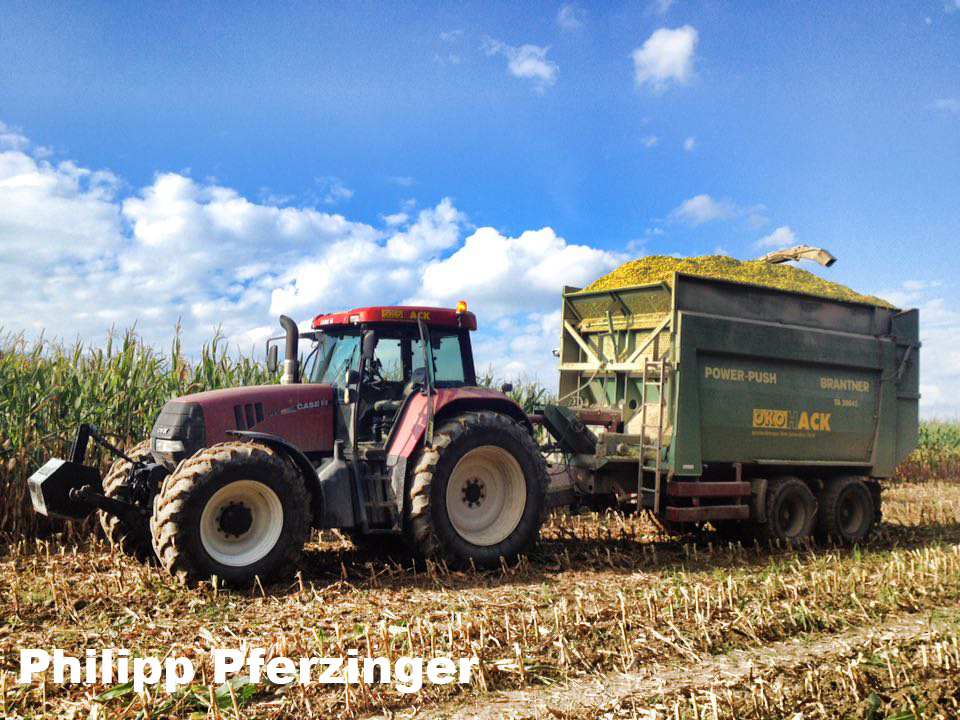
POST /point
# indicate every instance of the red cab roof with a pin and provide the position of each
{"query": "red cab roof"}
(432, 316)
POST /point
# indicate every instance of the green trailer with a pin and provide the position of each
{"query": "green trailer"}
(754, 409)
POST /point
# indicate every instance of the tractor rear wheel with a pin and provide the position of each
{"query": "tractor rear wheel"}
(791, 510)
(847, 511)
(129, 540)
(479, 493)
(237, 510)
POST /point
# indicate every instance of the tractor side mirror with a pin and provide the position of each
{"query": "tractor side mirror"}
(272, 361)
(369, 344)
(350, 395)
(351, 377)
(506, 387)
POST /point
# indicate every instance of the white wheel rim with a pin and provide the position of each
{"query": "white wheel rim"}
(486, 495)
(241, 523)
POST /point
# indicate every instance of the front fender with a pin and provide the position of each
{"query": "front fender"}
(297, 457)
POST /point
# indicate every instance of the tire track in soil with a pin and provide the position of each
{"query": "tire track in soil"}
(722, 670)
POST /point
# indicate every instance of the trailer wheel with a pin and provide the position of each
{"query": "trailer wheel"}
(131, 541)
(237, 510)
(791, 510)
(479, 493)
(847, 510)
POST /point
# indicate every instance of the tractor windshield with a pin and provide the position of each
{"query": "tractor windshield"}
(334, 356)
(397, 355)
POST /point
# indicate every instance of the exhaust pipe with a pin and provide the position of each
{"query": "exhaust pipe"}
(291, 364)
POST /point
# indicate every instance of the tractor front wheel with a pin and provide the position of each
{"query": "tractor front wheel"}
(134, 541)
(479, 493)
(236, 510)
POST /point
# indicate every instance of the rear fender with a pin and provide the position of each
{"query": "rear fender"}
(408, 437)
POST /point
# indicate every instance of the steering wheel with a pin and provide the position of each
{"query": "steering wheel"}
(376, 379)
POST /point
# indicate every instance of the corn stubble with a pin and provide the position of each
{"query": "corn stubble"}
(603, 593)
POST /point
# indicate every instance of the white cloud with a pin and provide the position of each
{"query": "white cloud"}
(332, 190)
(395, 219)
(450, 36)
(513, 284)
(947, 105)
(649, 141)
(402, 180)
(700, 209)
(666, 56)
(782, 237)
(528, 62)
(12, 139)
(690, 143)
(661, 7)
(704, 208)
(571, 16)
(502, 273)
(77, 257)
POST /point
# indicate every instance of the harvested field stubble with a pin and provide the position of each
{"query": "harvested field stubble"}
(660, 268)
(602, 594)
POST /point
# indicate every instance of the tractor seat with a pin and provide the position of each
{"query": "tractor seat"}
(392, 407)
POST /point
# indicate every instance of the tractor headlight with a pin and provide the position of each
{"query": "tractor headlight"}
(168, 446)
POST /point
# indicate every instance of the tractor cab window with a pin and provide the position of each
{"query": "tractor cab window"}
(389, 357)
(447, 359)
(335, 354)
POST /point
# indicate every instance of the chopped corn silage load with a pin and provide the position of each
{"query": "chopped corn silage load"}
(660, 268)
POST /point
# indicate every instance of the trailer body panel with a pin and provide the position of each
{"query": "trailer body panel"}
(757, 376)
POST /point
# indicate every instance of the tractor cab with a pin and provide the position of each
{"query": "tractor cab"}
(377, 358)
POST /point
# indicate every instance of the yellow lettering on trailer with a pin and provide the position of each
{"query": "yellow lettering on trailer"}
(847, 384)
(739, 375)
(796, 420)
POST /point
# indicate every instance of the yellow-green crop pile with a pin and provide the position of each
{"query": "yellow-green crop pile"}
(660, 268)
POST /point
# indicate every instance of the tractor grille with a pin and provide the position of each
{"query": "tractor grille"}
(248, 415)
(178, 421)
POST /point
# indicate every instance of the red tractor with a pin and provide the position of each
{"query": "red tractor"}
(383, 434)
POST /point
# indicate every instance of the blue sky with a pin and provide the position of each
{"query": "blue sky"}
(227, 161)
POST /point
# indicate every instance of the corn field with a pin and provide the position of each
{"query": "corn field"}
(938, 454)
(47, 389)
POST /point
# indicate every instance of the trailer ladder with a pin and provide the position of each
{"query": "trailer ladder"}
(654, 372)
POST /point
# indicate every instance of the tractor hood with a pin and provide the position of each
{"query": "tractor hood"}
(301, 414)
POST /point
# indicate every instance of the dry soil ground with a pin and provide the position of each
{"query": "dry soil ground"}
(608, 619)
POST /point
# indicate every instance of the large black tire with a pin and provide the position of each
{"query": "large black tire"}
(502, 468)
(791, 511)
(130, 541)
(847, 510)
(237, 510)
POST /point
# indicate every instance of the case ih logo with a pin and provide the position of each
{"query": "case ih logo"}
(791, 420)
